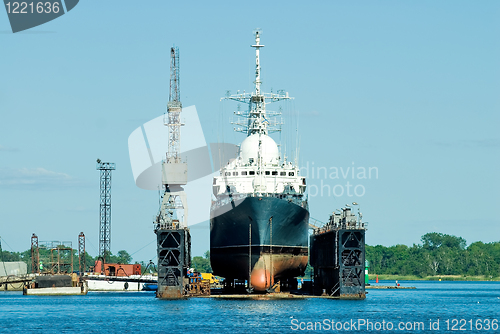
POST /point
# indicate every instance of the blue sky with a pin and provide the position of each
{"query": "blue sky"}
(410, 88)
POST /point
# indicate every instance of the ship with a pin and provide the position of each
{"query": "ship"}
(260, 216)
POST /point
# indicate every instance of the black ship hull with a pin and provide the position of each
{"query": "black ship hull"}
(263, 239)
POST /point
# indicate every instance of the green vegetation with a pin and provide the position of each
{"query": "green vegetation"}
(121, 257)
(10, 257)
(384, 277)
(202, 264)
(439, 255)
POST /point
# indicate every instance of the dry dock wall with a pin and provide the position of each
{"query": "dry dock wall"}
(338, 259)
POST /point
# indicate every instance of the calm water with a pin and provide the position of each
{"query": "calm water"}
(142, 313)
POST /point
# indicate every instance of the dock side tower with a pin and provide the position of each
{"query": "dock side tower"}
(173, 238)
(105, 210)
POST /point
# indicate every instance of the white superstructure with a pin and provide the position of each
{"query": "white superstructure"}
(259, 168)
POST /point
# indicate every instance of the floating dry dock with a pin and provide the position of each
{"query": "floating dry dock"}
(338, 256)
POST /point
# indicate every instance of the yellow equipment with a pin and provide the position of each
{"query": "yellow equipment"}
(209, 276)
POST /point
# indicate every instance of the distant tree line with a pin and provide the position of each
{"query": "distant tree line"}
(202, 263)
(439, 254)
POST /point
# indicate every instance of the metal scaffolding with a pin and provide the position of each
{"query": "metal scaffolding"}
(35, 255)
(81, 253)
(61, 260)
(54, 257)
(105, 209)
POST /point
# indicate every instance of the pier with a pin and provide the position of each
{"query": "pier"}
(14, 282)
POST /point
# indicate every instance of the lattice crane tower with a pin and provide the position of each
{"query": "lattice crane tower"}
(174, 171)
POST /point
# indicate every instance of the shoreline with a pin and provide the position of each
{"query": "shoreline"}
(384, 277)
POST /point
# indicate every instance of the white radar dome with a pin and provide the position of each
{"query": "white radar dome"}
(249, 149)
